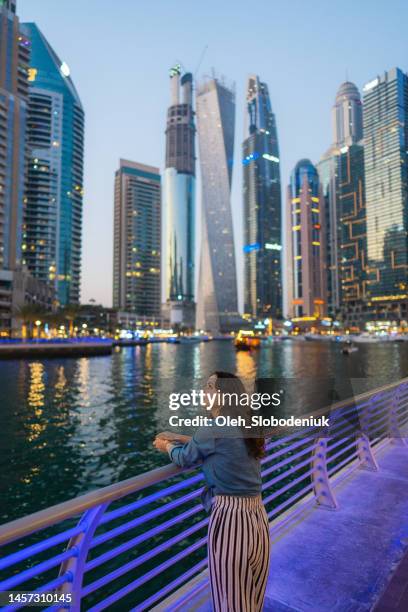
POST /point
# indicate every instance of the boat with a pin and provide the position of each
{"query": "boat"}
(349, 348)
(246, 341)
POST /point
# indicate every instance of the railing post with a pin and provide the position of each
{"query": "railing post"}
(393, 424)
(364, 451)
(75, 565)
(321, 483)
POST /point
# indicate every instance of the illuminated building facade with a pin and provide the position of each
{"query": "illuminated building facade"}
(262, 206)
(137, 239)
(14, 64)
(55, 132)
(353, 266)
(306, 264)
(347, 130)
(217, 302)
(386, 186)
(179, 203)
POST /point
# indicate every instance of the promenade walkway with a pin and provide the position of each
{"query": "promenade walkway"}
(335, 560)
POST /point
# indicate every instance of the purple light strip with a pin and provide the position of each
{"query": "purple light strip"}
(7, 585)
(285, 474)
(289, 459)
(146, 577)
(171, 586)
(339, 465)
(288, 486)
(140, 520)
(110, 516)
(46, 587)
(90, 588)
(21, 555)
(331, 458)
(118, 550)
(289, 501)
(286, 449)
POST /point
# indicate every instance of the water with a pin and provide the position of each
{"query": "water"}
(72, 425)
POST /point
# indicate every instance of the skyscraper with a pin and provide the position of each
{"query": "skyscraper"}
(14, 64)
(179, 202)
(347, 131)
(137, 238)
(217, 300)
(305, 240)
(262, 206)
(386, 185)
(55, 130)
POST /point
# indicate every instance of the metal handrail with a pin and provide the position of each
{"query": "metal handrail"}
(300, 461)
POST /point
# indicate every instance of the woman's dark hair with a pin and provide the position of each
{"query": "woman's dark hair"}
(229, 383)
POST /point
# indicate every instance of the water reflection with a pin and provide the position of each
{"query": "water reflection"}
(35, 424)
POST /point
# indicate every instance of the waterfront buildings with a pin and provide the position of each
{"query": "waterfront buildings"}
(386, 186)
(55, 134)
(306, 259)
(137, 239)
(14, 64)
(19, 291)
(217, 303)
(179, 203)
(262, 206)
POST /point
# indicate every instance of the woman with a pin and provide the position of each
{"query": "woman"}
(238, 533)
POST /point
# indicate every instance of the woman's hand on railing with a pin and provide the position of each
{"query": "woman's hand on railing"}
(174, 437)
(161, 444)
(166, 439)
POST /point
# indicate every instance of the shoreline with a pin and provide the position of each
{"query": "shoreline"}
(55, 349)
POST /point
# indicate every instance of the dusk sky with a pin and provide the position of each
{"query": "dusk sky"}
(119, 53)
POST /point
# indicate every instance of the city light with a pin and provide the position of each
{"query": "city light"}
(271, 158)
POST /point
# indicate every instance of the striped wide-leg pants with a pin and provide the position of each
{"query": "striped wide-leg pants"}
(238, 553)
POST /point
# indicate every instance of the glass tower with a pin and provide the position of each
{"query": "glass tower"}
(53, 217)
(262, 206)
(14, 64)
(217, 301)
(386, 185)
(179, 202)
(136, 240)
(305, 240)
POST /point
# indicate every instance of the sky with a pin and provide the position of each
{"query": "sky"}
(119, 53)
